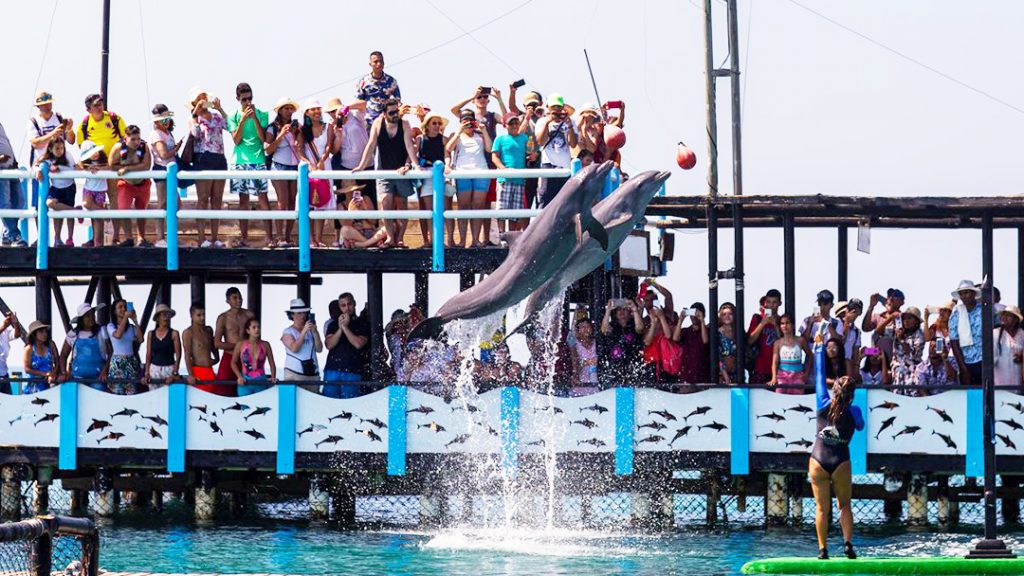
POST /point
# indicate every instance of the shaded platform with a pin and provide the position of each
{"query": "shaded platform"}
(907, 565)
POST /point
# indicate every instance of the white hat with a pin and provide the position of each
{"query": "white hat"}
(285, 101)
(193, 95)
(89, 150)
(297, 305)
(311, 103)
(83, 309)
(589, 107)
(965, 285)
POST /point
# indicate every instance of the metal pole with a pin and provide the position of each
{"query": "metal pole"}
(303, 288)
(422, 291)
(375, 302)
(737, 182)
(1020, 265)
(254, 293)
(843, 260)
(105, 52)
(712, 130)
(789, 264)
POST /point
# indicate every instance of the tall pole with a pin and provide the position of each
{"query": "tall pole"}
(737, 183)
(712, 131)
(105, 51)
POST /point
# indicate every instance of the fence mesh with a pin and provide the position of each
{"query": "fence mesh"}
(15, 557)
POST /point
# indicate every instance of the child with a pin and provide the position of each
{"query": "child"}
(40, 358)
(789, 367)
(132, 155)
(62, 190)
(163, 350)
(249, 359)
(200, 353)
(94, 193)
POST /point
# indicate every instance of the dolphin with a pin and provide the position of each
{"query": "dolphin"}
(619, 214)
(536, 255)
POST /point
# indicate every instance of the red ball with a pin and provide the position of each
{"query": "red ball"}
(685, 157)
(614, 137)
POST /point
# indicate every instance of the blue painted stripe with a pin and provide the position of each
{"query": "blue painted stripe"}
(624, 421)
(975, 465)
(437, 261)
(396, 430)
(286, 428)
(43, 220)
(859, 442)
(302, 209)
(67, 454)
(739, 416)
(177, 409)
(510, 429)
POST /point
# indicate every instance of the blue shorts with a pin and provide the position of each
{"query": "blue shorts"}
(341, 390)
(279, 166)
(65, 196)
(209, 161)
(253, 386)
(472, 185)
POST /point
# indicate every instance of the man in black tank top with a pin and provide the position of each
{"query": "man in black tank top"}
(391, 138)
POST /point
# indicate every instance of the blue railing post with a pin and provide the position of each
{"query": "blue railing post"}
(437, 179)
(177, 411)
(43, 220)
(739, 437)
(287, 398)
(302, 213)
(575, 166)
(171, 217)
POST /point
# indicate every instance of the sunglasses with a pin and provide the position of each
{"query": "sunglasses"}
(436, 123)
(393, 113)
(245, 99)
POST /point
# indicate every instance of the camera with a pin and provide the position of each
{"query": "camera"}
(295, 124)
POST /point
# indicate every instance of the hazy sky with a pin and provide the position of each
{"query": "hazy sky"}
(825, 111)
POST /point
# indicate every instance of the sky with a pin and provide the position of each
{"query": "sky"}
(867, 98)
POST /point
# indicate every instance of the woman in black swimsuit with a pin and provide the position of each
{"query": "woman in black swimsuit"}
(829, 467)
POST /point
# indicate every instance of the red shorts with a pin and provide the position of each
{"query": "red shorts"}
(132, 196)
(203, 373)
(224, 372)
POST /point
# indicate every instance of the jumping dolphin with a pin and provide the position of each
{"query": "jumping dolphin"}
(536, 255)
(619, 213)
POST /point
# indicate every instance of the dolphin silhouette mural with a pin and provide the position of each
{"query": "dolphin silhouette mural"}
(619, 213)
(535, 256)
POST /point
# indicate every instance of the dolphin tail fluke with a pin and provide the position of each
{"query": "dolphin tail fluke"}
(429, 329)
(589, 224)
(526, 328)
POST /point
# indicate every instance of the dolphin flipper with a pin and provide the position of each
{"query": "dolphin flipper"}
(429, 329)
(597, 232)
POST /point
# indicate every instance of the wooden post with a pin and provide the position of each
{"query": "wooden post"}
(789, 265)
(44, 310)
(164, 294)
(917, 500)
(206, 497)
(103, 297)
(254, 293)
(62, 306)
(90, 292)
(422, 297)
(466, 281)
(776, 502)
(197, 287)
(843, 262)
(302, 289)
(375, 304)
(319, 498)
(103, 485)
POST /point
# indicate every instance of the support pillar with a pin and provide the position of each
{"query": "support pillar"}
(319, 499)
(163, 296)
(776, 502)
(789, 265)
(206, 497)
(254, 293)
(640, 510)
(44, 301)
(79, 502)
(375, 304)
(1011, 506)
(843, 263)
(796, 498)
(893, 504)
(303, 289)
(41, 497)
(10, 494)
(917, 500)
(197, 286)
(344, 502)
(714, 494)
(942, 501)
(104, 293)
(422, 291)
(106, 499)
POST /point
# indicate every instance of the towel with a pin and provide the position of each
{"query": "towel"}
(963, 325)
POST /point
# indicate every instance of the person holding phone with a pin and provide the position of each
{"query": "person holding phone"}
(762, 334)
(694, 341)
(620, 355)
(164, 150)
(556, 137)
(532, 113)
(469, 150)
(430, 148)
(10, 194)
(362, 232)
(481, 98)
(123, 335)
(132, 155)
(319, 144)
(247, 126)
(302, 343)
(46, 125)
(207, 128)
(347, 338)
(282, 142)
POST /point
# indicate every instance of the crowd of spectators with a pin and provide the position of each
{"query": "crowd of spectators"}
(375, 130)
(643, 340)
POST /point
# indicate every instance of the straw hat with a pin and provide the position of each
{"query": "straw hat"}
(914, 311)
(430, 116)
(163, 309)
(948, 305)
(285, 101)
(532, 98)
(853, 304)
(333, 104)
(37, 325)
(193, 95)
(1011, 309)
(43, 98)
(589, 108)
(297, 305)
(965, 285)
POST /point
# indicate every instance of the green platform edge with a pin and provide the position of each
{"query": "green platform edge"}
(905, 565)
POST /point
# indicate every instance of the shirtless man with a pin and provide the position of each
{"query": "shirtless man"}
(200, 353)
(230, 331)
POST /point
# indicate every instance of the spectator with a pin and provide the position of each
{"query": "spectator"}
(621, 340)
(106, 129)
(1009, 344)
(882, 325)
(501, 371)
(123, 334)
(249, 361)
(430, 147)
(47, 125)
(201, 354)
(480, 99)
(283, 140)
(694, 341)
(469, 150)
(835, 362)
(662, 356)
(10, 329)
(727, 342)
(163, 350)
(846, 314)
(392, 137)
(247, 127)
(207, 128)
(302, 343)
(821, 320)
(132, 155)
(556, 137)
(350, 137)
(86, 347)
(319, 142)
(907, 347)
(41, 362)
(762, 334)
(940, 328)
(648, 296)
(874, 369)
(362, 232)
(347, 338)
(229, 332)
(965, 333)
(377, 88)
(533, 114)
(584, 359)
(590, 128)
(164, 151)
(62, 192)
(10, 193)
(94, 191)
(792, 360)
(936, 371)
(396, 334)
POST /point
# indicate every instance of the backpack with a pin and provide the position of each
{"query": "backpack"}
(39, 132)
(114, 120)
(666, 355)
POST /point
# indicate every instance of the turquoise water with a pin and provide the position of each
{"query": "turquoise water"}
(311, 550)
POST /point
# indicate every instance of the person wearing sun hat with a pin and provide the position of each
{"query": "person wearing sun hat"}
(965, 332)
(46, 125)
(282, 142)
(84, 354)
(430, 147)
(939, 328)
(41, 362)
(10, 328)
(302, 343)
(163, 350)
(246, 127)
(207, 130)
(556, 137)
(534, 107)
(1008, 347)
(907, 349)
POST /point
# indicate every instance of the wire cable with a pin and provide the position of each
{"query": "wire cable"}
(145, 58)
(910, 59)
(39, 75)
(473, 38)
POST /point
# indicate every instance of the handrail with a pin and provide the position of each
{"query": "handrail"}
(302, 213)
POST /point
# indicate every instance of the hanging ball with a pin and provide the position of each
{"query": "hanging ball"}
(685, 157)
(614, 137)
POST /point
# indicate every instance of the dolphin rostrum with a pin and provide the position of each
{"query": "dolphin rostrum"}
(536, 255)
(619, 213)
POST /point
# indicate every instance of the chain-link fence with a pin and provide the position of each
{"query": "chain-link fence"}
(15, 557)
(51, 544)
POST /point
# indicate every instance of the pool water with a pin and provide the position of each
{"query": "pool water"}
(282, 548)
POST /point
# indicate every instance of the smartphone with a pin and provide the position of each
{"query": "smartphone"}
(619, 302)
(899, 321)
(940, 345)
(130, 306)
(357, 196)
(295, 124)
(519, 83)
(768, 313)
(312, 317)
(485, 90)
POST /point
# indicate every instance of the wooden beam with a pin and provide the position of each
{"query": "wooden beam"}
(44, 309)
(90, 292)
(254, 293)
(154, 293)
(375, 304)
(62, 307)
(422, 291)
(5, 310)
